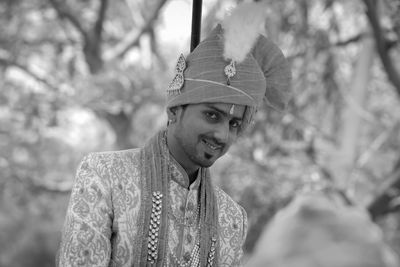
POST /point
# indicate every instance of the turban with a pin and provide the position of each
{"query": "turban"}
(234, 64)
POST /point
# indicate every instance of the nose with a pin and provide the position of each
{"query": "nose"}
(222, 133)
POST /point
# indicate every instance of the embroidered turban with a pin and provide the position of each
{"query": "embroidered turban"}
(234, 64)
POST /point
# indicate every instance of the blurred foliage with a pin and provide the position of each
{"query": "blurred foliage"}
(80, 76)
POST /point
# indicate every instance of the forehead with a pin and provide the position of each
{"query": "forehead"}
(225, 109)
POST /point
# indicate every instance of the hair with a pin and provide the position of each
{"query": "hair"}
(248, 119)
(183, 110)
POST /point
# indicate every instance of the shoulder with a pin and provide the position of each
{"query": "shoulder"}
(103, 161)
(227, 203)
(110, 156)
(105, 167)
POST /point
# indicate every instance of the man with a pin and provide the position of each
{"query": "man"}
(318, 230)
(156, 206)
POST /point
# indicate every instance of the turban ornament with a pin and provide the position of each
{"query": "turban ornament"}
(177, 83)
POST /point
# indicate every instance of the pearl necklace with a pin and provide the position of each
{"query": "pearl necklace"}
(194, 260)
(190, 221)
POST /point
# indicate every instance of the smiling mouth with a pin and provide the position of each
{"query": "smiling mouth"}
(212, 146)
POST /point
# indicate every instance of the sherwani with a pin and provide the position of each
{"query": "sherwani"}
(101, 226)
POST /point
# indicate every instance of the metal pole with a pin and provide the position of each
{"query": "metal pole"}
(196, 24)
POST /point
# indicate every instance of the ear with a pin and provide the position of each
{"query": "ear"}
(172, 113)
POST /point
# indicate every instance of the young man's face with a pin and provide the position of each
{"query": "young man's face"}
(202, 133)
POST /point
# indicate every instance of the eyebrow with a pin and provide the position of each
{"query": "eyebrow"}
(222, 112)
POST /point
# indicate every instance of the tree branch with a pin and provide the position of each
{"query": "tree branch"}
(133, 37)
(93, 41)
(381, 44)
(353, 39)
(316, 130)
(64, 12)
(98, 26)
(8, 62)
(49, 40)
(375, 145)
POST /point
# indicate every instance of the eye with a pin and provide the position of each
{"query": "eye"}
(235, 123)
(212, 116)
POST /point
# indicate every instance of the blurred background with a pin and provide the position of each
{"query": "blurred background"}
(90, 75)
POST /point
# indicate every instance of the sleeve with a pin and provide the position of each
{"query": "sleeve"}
(87, 228)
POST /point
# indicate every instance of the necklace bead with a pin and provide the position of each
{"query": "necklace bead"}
(190, 221)
(152, 246)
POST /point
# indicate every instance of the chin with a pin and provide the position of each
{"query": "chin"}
(205, 163)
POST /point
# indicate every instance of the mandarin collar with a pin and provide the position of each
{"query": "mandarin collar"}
(179, 175)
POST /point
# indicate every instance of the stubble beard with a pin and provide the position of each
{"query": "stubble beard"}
(191, 151)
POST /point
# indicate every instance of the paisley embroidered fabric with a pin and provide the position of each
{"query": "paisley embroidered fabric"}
(101, 225)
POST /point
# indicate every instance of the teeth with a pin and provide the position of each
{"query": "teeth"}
(211, 146)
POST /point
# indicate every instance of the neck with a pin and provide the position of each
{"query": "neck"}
(179, 155)
(193, 176)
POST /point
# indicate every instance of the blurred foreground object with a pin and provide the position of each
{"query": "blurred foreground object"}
(314, 230)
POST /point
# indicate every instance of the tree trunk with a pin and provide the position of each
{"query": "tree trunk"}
(121, 124)
(351, 117)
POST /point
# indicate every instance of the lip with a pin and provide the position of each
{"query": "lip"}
(211, 145)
